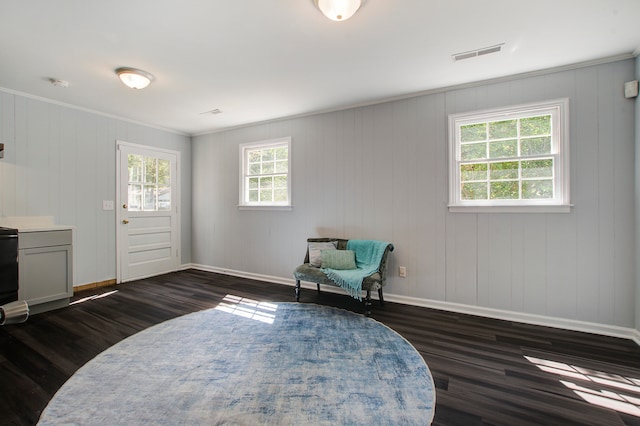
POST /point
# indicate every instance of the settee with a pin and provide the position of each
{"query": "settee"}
(312, 271)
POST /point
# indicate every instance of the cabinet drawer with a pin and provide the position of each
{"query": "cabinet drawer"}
(44, 239)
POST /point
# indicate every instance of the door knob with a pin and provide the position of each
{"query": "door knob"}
(124, 206)
(125, 221)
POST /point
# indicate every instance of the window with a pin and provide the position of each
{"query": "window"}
(265, 174)
(511, 159)
(149, 187)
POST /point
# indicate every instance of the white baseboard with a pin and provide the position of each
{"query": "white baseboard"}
(534, 319)
(250, 275)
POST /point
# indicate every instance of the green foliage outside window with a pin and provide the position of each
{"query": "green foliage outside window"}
(474, 191)
(506, 170)
(503, 149)
(495, 163)
(536, 146)
(267, 175)
(473, 132)
(504, 190)
(503, 129)
(149, 187)
(471, 172)
(533, 126)
(474, 151)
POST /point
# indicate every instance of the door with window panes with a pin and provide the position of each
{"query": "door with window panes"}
(147, 227)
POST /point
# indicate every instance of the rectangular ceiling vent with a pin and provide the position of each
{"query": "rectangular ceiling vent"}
(478, 52)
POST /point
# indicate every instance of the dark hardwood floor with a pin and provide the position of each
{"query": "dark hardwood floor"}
(487, 372)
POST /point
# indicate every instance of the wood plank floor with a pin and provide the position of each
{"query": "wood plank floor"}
(487, 372)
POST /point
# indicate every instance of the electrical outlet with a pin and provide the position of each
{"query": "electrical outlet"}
(107, 204)
(403, 272)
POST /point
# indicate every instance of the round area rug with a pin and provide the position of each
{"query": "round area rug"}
(247, 363)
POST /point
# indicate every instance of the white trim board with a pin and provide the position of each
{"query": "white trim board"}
(562, 323)
(241, 274)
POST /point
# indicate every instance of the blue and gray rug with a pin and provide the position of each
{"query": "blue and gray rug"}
(249, 363)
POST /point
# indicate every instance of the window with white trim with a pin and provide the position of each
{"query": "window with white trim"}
(265, 174)
(510, 159)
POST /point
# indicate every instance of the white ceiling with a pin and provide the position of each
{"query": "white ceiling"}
(258, 60)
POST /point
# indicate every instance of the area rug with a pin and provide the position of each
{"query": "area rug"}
(248, 363)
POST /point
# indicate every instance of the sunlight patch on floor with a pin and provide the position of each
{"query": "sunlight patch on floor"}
(248, 308)
(626, 400)
(94, 297)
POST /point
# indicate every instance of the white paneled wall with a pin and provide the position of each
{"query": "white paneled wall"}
(381, 172)
(60, 162)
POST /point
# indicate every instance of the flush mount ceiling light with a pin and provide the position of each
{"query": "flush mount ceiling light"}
(134, 78)
(338, 10)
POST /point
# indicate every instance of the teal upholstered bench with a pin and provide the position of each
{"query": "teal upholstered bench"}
(310, 271)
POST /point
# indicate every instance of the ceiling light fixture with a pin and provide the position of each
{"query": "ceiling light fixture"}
(338, 10)
(134, 78)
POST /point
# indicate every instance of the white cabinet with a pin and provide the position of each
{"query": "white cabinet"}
(45, 262)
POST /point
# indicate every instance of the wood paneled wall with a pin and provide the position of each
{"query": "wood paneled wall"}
(60, 162)
(381, 172)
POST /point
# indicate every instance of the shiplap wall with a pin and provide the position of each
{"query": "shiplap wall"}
(380, 172)
(60, 162)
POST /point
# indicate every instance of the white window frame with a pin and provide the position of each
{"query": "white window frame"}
(244, 203)
(559, 110)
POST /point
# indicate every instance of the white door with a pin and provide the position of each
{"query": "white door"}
(147, 228)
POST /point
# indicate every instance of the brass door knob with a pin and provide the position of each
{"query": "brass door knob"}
(124, 206)
(125, 221)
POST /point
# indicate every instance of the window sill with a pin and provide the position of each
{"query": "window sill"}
(566, 208)
(266, 208)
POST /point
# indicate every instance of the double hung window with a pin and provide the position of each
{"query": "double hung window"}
(265, 174)
(510, 159)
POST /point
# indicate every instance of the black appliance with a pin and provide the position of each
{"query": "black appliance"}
(8, 265)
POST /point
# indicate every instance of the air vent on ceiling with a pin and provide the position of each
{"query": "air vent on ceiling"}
(212, 112)
(59, 83)
(478, 52)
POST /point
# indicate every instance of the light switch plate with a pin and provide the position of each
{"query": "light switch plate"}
(107, 204)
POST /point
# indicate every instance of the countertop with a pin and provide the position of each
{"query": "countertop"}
(45, 228)
(32, 224)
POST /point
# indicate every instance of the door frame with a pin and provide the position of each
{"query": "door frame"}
(175, 181)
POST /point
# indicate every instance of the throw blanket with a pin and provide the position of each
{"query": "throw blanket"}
(368, 257)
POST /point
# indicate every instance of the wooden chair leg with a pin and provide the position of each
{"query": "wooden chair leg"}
(367, 304)
(297, 290)
(380, 296)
